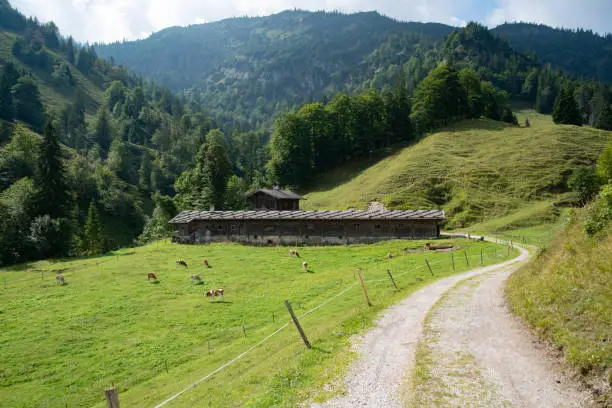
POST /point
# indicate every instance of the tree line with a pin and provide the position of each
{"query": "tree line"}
(320, 136)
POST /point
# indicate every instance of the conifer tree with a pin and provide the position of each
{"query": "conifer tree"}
(93, 235)
(70, 53)
(7, 106)
(603, 119)
(102, 129)
(28, 105)
(52, 197)
(566, 111)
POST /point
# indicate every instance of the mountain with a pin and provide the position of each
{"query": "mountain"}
(247, 69)
(325, 48)
(580, 53)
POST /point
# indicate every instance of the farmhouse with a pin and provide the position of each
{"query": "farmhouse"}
(275, 218)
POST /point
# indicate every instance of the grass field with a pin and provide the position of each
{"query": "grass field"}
(62, 345)
(477, 170)
(566, 296)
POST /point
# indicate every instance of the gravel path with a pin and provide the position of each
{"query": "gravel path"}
(387, 351)
(475, 353)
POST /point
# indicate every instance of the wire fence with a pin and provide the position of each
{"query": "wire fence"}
(375, 271)
(477, 261)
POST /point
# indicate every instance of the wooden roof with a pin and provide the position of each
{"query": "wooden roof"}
(188, 216)
(277, 193)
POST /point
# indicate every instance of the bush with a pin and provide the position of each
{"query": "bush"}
(600, 213)
(585, 182)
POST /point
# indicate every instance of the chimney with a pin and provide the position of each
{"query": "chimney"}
(212, 207)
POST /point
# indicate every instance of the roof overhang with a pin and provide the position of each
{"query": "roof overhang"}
(186, 217)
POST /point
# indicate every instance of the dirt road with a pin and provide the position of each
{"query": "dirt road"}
(475, 353)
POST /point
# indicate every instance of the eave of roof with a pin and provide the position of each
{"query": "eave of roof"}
(189, 216)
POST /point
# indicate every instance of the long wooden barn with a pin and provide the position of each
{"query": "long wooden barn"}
(306, 227)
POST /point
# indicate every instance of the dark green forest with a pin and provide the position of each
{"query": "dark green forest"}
(94, 156)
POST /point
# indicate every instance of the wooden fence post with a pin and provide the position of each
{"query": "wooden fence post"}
(365, 292)
(297, 324)
(453, 262)
(392, 280)
(467, 261)
(481, 260)
(112, 397)
(429, 267)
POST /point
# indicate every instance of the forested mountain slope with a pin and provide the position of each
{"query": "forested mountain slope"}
(247, 69)
(326, 49)
(580, 53)
(476, 170)
(100, 140)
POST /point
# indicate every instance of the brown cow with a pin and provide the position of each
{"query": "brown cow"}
(151, 275)
(213, 293)
(180, 262)
(206, 263)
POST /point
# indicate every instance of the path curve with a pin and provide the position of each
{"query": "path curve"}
(476, 353)
(387, 351)
(500, 364)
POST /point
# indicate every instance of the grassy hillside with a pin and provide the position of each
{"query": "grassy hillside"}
(54, 98)
(476, 170)
(109, 325)
(566, 295)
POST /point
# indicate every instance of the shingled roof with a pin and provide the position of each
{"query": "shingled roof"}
(277, 193)
(189, 216)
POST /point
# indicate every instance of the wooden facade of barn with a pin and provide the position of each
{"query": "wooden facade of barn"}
(265, 225)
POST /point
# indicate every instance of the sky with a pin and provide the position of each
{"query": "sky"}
(116, 20)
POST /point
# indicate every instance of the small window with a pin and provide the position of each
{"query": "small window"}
(233, 228)
(356, 226)
(378, 226)
(220, 227)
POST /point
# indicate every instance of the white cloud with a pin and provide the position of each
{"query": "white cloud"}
(111, 20)
(588, 14)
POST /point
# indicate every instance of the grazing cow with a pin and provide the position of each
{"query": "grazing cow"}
(291, 252)
(180, 262)
(297, 254)
(196, 278)
(213, 293)
(59, 280)
(305, 266)
(151, 275)
(206, 263)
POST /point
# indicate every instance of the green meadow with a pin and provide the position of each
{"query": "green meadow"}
(62, 345)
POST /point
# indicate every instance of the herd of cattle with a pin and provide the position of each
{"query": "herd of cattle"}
(213, 293)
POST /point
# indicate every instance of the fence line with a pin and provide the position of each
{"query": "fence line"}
(268, 337)
(178, 394)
